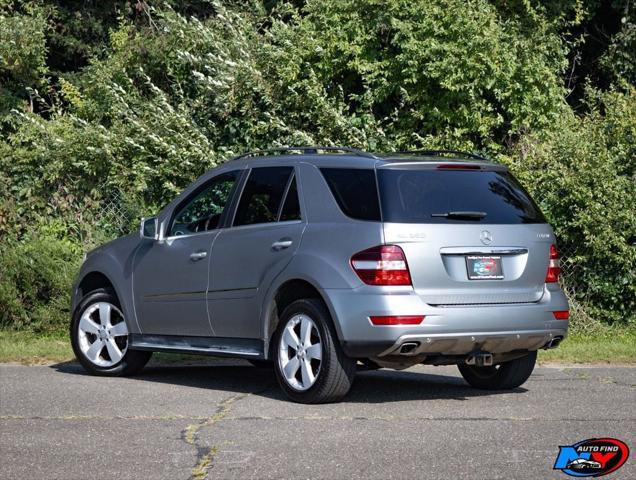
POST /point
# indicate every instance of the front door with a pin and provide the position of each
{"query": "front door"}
(170, 277)
(265, 233)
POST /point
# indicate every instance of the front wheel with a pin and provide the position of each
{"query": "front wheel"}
(309, 363)
(99, 336)
(504, 376)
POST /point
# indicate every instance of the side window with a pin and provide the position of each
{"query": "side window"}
(291, 207)
(355, 192)
(262, 195)
(203, 211)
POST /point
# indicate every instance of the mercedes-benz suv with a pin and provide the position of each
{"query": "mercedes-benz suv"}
(314, 259)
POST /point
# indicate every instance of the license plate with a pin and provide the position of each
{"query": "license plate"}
(481, 267)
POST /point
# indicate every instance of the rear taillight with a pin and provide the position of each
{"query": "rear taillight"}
(561, 315)
(554, 267)
(397, 320)
(382, 265)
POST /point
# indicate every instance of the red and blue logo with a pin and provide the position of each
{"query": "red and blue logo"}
(593, 457)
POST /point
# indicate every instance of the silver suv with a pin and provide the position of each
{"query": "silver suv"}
(315, 258)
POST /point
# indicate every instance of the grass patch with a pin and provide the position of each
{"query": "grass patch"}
(32, 349)
(610, 346)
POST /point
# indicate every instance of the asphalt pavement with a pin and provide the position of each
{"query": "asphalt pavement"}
(230, 420)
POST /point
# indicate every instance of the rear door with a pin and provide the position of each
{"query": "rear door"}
(471, 234)
(246, 257)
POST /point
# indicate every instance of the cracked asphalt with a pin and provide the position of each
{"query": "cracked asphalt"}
(229, 420)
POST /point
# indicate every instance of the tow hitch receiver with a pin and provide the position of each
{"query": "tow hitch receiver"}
(479, 359)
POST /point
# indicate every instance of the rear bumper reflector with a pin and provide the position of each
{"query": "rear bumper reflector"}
(561, 315)
(397, 320)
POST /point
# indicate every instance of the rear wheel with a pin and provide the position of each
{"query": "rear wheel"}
(99, 336)
(504, 376)
(309, 363)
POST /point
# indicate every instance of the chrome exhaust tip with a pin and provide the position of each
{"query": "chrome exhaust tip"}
(555, 342)
(408, 348)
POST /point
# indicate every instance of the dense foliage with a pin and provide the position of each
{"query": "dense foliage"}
(107, 109)
(582, 172)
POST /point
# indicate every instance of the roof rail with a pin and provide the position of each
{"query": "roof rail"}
(445, 152)
(306, 150)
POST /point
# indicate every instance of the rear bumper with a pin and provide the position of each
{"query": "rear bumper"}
(459, 344)
(455, 330)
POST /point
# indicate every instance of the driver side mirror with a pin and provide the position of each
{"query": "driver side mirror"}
(149, 228)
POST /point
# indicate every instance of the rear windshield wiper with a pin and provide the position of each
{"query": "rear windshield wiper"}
(468, 215)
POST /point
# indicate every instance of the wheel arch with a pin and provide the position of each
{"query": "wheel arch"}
(283, 295)
(92, 281)
(95, 279)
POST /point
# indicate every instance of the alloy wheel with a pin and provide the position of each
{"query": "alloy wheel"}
(300, 352)
(103, 334)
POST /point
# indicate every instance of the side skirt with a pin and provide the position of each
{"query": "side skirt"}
(214, 346)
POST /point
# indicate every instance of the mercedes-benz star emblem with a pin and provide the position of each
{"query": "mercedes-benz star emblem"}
(486, 237)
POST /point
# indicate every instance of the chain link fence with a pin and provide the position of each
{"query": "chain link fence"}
(581, 321)
(117, 215)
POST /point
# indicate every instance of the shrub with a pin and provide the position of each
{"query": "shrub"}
(36, 275)
(458, 72)
(583, 173)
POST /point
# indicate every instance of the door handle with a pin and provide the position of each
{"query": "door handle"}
(196, 256)
(282, 244)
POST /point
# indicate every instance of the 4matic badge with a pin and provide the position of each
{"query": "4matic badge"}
(593, 457)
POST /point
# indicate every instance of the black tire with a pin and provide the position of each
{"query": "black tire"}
(504, 376)
(337, 371)
(132, 361)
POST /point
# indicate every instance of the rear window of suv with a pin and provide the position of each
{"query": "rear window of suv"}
(422, 196)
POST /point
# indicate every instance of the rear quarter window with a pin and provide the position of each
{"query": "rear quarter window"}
(262, 195)
(416, 196)
(355, 191)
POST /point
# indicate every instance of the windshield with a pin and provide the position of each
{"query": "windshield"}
(445, 196)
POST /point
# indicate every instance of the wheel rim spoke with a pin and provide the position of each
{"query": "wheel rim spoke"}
(291, 368)
(305, 331)
(104, 314)
(119, 330)
(95, 349)
(88, 325)
(307, 373)
(315, 351)
(113, 350)
(290, 338)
